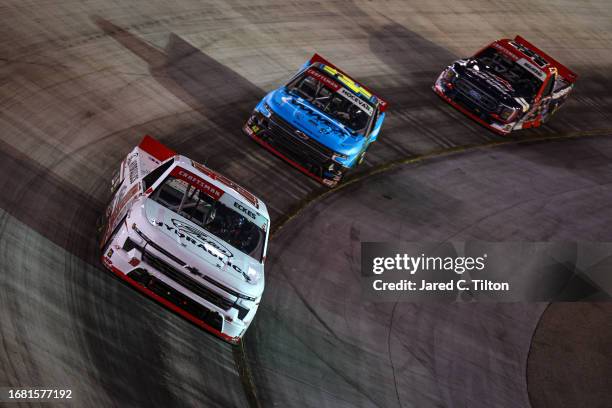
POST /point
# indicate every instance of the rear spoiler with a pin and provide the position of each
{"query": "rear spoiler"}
(155, 148)
(317, 58)
(565, 72)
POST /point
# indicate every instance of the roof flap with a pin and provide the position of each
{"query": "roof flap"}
(156, 149)
(565, 72)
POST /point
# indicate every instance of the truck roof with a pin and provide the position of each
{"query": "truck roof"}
(525, 48)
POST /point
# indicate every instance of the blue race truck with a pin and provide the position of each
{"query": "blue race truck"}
(322, 122)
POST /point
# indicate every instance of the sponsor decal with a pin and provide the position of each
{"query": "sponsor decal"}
(363, 105)
(325, 130)
(199, 239)
(245, 210)
(118, 208)
(204, 186)
(249, 130)
(354, 86)
(301, 135)
(341, 90)
(474, 94)
(505, 51)
(532, 68)
(132, 164)
(216, 176)
(314, 118)
(323, 78)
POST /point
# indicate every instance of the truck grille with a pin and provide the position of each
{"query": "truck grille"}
(476, 96)
(304, 150)
(212, 318)
(189, 283)
(186, 282)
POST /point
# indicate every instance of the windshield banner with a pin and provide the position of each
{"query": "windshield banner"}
(357, 101)
(204, 186)
(532, 69)
(323, 78)
(247, 212)
(354, 99)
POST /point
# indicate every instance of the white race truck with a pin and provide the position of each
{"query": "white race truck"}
(188, 237)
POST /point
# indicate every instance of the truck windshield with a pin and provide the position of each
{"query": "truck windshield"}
(525, 83)
(333, 99)
(219, 219)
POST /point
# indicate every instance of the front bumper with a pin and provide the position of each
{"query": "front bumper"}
(148, 279)
(300, 157)
(485, 120)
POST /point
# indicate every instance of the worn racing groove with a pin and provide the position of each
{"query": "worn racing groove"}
(240, 355)
(242, 366)
(381, 168)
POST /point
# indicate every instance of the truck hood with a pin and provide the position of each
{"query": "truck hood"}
(203, 252)
(490, 83)
(304, 117)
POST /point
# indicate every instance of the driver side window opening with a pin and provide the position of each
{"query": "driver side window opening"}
(152, 177)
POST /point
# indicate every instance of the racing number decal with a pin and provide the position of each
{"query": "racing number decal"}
(530, 53)
(532, 57)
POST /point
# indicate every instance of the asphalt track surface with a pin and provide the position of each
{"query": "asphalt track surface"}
(82, 81)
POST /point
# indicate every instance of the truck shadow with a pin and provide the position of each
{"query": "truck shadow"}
(420, 122)
(215, 91)
(415, 60)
